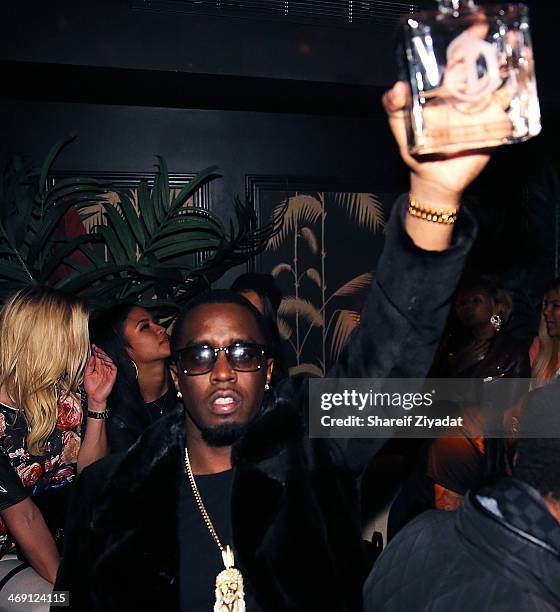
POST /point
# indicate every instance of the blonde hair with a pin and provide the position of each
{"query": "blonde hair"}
(44, 348)
(546, 360)
(545, 364)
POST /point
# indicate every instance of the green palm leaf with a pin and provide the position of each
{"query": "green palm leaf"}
(81, 279)
(49, 160)
(13, 272)
(145, 208)
(161, 191)
(59, 256)
(120, 231)
(192, 186)
(115, 250)
(139, 234)
(131, 217)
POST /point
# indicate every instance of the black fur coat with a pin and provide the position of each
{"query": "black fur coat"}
(295, 511)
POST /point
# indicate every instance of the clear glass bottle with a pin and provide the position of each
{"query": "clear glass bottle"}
(472, 77)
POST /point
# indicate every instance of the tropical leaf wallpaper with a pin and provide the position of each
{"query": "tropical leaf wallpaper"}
(323, 259)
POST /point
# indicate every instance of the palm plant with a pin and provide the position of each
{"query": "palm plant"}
(305, 222)
(140, 252)
(30, 214)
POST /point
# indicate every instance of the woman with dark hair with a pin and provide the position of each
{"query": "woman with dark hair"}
(482, 349)
(265, 295)
(486, 352)
(140, 348)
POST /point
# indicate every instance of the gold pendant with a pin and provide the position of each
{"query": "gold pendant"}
(230, 596)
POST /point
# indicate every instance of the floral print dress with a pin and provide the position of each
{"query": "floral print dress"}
(25, 475)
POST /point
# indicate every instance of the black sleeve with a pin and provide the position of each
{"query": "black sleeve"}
(75, 567)
(407, 307)
(82, 546)
(120, 434)
(403, 318)
(11, 489)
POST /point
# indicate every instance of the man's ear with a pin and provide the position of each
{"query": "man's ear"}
(269, 368)
(174, 376)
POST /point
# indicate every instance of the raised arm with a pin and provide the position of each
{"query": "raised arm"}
(417, 274)
(99, 379)
(418, 271)
(436, 183)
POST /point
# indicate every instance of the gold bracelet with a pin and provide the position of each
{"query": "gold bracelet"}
(436, 215)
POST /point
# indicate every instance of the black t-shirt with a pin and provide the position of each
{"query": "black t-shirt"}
(200, 558)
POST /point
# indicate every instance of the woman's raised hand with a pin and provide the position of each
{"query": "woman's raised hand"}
(99, 378)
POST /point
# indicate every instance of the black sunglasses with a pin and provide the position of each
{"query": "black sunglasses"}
(201, 358)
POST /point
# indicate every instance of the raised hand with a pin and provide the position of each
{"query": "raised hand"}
(437, 182)
(99, 378)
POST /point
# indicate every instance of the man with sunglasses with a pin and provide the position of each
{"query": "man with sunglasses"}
(229, 503)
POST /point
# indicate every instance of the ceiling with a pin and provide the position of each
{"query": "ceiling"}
(368, 14)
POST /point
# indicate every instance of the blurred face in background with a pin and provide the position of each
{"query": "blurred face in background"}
(551, 313)
(255, 299)
(474, 307)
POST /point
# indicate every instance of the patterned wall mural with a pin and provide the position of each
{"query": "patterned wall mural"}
(324, 261)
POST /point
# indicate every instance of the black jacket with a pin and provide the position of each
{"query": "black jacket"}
(295, 514)
(473, 560)
(129, 419)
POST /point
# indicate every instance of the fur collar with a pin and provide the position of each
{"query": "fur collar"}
(158, 454)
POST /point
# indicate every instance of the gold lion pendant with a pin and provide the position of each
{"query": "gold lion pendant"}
(230, 595)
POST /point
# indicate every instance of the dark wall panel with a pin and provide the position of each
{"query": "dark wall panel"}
(111, 33)
(125, 138)
(120, 138)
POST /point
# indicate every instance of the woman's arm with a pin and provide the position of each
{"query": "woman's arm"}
(99, 379)
(94, 444)
(28, 528)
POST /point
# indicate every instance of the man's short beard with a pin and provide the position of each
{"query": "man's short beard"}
(223, 435)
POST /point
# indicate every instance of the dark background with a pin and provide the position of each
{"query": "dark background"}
(256, 93)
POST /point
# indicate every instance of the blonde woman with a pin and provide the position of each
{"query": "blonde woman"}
(545, 350)
(44, 361)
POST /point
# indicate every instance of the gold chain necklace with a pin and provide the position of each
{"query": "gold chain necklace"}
(230, 595)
